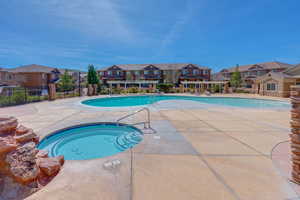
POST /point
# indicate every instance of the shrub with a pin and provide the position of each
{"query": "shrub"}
(133, 90)
(165, 87)
(117, 90)
(66, 82)
(216, 88)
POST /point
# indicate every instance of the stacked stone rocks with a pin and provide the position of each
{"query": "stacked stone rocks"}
(295, 135)
(23, 168)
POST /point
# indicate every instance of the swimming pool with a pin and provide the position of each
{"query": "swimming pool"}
(91, 141)
(150, 99)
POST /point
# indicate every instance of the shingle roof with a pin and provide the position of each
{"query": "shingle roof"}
(293, 71)
(267, 65)
(275, 75)
(166, 66)
(32, 68)
(219, 77)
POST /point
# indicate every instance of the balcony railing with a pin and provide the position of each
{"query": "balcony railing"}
(151, 76)
(200, 76)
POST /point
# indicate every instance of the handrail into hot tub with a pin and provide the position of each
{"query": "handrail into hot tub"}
(147, 122)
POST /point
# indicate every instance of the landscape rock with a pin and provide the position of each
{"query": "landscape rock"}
(7, 144)
(23, 168)
(8, 125)
(295, 136)
(22, 130)
(36, 139)
(27, 137)
(42, 154)
(22, 163)
(49, 166)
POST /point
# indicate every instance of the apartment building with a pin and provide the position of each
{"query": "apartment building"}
(159, 73)
(249, 73)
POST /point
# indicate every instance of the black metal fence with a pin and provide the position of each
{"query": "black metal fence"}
(10, 96)
(74, 92)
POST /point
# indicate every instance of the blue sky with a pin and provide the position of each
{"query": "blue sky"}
(213, 33)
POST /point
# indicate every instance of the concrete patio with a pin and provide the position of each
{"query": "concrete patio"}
(198, 152)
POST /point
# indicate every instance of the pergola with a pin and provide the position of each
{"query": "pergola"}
(133, 82)
(205, 84)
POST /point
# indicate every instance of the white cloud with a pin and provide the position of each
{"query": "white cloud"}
(177, 28)
(99, 18)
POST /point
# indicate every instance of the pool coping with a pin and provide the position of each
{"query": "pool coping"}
(90, 124)
(80, 103)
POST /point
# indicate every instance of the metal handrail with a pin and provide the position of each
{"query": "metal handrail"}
(145, 122)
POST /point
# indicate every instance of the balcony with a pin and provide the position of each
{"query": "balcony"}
(152, 76)
(194, 76)
(113, 77)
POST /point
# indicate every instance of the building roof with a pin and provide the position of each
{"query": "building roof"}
(276, 75)
(36, 68)
(293, 71)
(266, 65)
(32, 68)
(166, 66)
(219, 77)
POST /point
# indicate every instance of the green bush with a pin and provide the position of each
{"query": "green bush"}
(216, 88)
(165, 87)
(20, 96)
(66, 83)
(241, 91)
(133, 90)
(176, 90)
(117, 90)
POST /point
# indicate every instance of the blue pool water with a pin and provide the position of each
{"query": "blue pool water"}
(150, 99)
(91, 141)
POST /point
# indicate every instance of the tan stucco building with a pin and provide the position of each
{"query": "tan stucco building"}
(277, 83)
(34, 76)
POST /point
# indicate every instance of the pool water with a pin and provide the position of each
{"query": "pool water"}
(91, 141)
(150, 99)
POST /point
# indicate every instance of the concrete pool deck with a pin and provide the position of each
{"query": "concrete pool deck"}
(198, 152)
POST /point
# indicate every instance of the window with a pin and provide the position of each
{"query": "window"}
(109, 73)
(271, 86)
(9, 76)
(184, 72)
(136, 72)
(156, 72)
(260, 73)
(205, 72)
(146, 72)
(101, 73)
(195, 71)
(119, 73)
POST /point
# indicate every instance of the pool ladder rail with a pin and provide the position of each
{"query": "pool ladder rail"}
(147, 123)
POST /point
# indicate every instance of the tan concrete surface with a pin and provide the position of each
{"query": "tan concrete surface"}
(175, 177)
(199, 153)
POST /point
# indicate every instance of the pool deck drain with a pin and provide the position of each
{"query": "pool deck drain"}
(202, 153)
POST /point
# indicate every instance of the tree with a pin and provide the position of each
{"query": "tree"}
(235, 79)
(92, 75)
(66, 82)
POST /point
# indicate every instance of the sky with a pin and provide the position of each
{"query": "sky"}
(212, 33)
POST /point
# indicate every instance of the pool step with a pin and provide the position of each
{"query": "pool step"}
(126, 141)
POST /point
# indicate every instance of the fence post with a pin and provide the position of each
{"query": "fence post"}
(25, 90)
(79, 83)
(10, 94)
(52, 91)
